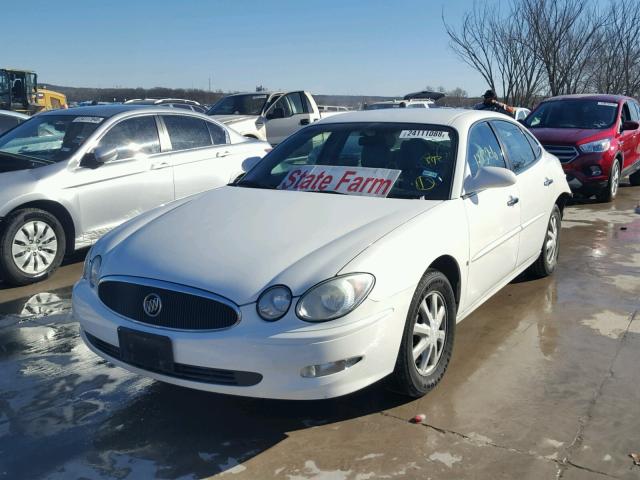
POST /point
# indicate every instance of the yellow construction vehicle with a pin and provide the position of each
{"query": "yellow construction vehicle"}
(18, 91)
(50, 100)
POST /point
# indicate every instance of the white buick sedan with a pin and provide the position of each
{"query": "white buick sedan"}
(346, 255)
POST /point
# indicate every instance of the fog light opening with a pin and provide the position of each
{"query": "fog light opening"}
(595, 170)
(314, 371)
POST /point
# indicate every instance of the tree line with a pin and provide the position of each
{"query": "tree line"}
(530, 49)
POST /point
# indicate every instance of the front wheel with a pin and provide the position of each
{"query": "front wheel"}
(611, 190)
(32, 246)
(548, 259)
(427, 341)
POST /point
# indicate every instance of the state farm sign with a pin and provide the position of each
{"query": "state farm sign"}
(376, 182)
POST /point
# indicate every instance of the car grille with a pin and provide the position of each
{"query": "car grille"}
(565, 153)
(189, 372)
(182, 310)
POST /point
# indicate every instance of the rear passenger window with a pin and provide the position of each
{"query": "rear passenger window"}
(217, 134)
(483, 149)
(132, 136)
(186, 133)
(535, 146)
(517, 147)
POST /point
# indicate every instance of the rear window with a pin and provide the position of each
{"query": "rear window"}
(187, 133)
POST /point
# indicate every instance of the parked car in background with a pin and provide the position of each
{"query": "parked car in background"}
(266, 116)
(347, 254)
(9, 119)
(424, 99)
(69, 176)
(169, 103)
(332, 108)
(595, 137)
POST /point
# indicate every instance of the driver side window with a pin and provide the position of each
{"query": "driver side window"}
(132, 136)
(483, 149)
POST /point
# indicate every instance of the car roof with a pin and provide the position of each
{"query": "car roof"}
(106, 110)
(436, 116)
(602, 97)
(9, 113)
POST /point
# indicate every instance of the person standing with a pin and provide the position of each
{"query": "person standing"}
(492, 104)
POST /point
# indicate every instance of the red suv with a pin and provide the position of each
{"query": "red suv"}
(595, 137)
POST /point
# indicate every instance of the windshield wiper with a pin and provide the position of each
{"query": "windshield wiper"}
(325, 191)
(21, 156)
(250, 184)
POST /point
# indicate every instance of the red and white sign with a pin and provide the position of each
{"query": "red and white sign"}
(375, 182)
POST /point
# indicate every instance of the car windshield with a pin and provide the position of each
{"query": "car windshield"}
(49, 138)
(587, 114)
(392, 160)
(249, 104)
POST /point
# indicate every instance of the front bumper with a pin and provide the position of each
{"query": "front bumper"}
(275, 351)
(580, 179)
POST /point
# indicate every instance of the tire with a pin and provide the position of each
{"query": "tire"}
(609, 192)
(36, 236)
(634, 179)
(548, 259)
(415, 377)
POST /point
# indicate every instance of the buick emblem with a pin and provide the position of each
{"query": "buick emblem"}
(152, 305)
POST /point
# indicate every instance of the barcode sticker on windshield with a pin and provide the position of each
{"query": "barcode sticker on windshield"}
(426, 134)
(88, 119)
(608, 104)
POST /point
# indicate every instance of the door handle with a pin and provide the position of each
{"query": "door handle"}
(512, 201)
(223, 154)
(304, 121)
(158, 166)
(548, 181)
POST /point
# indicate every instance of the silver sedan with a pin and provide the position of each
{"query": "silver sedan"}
(69, 176)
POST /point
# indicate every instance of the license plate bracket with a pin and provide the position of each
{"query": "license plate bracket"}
(146, 350)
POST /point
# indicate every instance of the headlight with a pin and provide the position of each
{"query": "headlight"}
(334, 298)
(274, 303)
(94, 270)
(597, 146)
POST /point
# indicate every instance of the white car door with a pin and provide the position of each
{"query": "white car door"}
(493, 216)
(135, 181)
(286, 116)
(533, 185)
(202, 157)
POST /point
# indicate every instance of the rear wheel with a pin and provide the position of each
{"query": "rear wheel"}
(32, 246)
(609, 192)
(548, 259)
(634, 179)
(427, 341)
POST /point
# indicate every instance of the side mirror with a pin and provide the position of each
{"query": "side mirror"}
(277, 112)
(490, 177)
(250, 162)
(630, 125)
(98, 157)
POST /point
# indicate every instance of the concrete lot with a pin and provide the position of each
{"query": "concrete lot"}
(544, 384)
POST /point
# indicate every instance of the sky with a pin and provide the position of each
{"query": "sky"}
(359, 47)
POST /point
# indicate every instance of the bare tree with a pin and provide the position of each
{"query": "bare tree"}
(566, 35)
(499, 49)
(616, 68)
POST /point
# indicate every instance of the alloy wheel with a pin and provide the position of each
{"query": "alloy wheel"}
(615, 179)
(429, 333)
(551, 242)
(34, 247)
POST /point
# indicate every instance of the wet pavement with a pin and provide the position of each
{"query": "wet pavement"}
(544, 384)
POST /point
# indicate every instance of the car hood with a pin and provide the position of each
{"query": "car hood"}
(12, 163)
(231, 119)
(567, 136)
(236, 241)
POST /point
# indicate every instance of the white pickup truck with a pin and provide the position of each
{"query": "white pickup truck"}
(270, 116)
